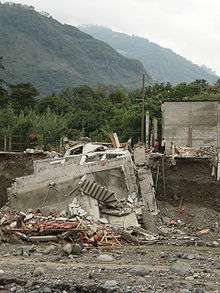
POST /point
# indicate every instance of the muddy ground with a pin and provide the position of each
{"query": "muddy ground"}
(169, 266)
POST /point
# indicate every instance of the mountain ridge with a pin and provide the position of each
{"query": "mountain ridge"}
(163, 64)
(53, 56)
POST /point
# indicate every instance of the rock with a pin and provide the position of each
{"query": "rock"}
(32, 248)
(190, 256)
(165, 230)
(105, 258)
(181, 268)
(166, 220)
(28, 284)
(200, 290)
(2, 272)
(54, 258)
(215, 244)
(196, 276)
(20, 290)
(110, 286)
(103, 221)
(140, 270)
(203, 231)
(50, 249)
(189, 278)
(76, 249)
(46, 290)
(38, 271)
(67, 248)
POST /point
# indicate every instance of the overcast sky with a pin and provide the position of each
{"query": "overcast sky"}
(189, 27)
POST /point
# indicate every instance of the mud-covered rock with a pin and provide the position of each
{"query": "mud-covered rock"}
(181, 268)
(105, 258)
(140, 270)
(76, 249)
(38, 271)
(67, 248)
(110, 286)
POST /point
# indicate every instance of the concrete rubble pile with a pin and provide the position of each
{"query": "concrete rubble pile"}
(93, 187)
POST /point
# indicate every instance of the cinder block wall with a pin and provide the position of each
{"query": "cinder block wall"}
(192, 124)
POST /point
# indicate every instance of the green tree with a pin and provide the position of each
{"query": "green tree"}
(8, 121)
(55, 104)
(1, 63)
(48, 126)
(4, 98)
(217, 84)
(23, 95)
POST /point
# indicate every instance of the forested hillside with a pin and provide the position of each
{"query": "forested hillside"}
(40, 50)
(163, 64)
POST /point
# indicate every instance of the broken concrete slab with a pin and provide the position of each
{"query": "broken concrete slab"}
(149, 221)
(90, 205)
(36, 191)
(139, 155)
(124, 221)
(98, 192)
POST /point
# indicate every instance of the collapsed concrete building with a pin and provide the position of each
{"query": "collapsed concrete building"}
(92, 178)
(112, 183)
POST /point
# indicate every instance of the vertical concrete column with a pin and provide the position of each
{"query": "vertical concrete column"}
(139, 155)
(147, 129)
(218, 125)
(5, 143)
(190, 129)
(150, 210)
(155, 128)
(218, 165)
(117, 143)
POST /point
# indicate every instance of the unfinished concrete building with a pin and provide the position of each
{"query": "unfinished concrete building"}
(192, 133)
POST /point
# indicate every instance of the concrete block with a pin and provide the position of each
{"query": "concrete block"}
(139, 155)
(124, 221)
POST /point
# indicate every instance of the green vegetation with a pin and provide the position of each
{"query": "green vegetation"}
(85, 111)
(162, 64)
(39, 50)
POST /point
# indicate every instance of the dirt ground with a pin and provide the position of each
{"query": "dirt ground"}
(172, 265)
(190, 179)
(130, 269)
(13, 166)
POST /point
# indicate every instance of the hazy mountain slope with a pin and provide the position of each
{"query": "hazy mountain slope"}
(162, 64)
(52, 56)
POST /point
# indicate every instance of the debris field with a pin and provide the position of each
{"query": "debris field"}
(108, 218)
